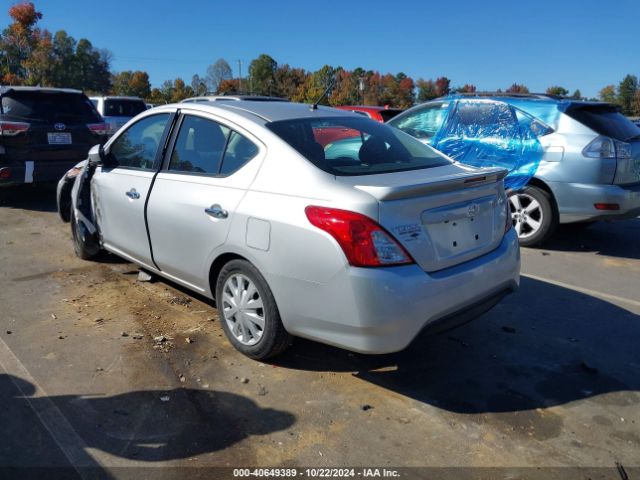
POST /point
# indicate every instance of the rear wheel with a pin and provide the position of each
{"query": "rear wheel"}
(84, 244)
(533, 215)
(248, 311)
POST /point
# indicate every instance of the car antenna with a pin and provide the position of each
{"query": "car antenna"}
(324, 94)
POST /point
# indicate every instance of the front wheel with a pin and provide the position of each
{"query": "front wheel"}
(533, 215)
(84, 244)
(248, 311)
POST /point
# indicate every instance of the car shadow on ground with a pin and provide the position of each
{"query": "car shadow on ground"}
(39, 197)
(150, 426)
(615, 238)
(543, 346)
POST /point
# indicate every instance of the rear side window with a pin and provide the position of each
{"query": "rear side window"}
(207, 147)
(49, 106)
(355, 145)
(239, 151)
(138, 145)
(605, 120)
(123, 108)
(423, 122)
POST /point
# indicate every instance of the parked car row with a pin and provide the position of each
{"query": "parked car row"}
(326, 223)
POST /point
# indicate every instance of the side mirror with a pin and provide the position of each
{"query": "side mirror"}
(97, 155)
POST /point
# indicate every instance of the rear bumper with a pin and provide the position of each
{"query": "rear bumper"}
(35, 172)
(576, 201)
(383, 310)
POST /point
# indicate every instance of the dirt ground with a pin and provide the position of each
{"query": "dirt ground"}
(99, 370)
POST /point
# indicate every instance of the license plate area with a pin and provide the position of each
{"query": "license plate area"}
(461, 228)
(59, 138)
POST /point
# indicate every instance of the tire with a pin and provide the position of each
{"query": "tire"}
(237, 280)
(84, 244)
(533, 214)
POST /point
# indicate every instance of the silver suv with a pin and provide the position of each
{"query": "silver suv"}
(581, 160)
(117, 111)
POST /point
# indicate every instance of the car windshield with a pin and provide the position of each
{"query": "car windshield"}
(605, 120)
(49, 106)
(123, 108)
(353, 145)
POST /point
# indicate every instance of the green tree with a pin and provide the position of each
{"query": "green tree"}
(557, 90)
(626, 91)
(216, 73)
(262, 75)
(577, 95)
(288, 80)
(608, 94)
(426, 90)
(517, 88)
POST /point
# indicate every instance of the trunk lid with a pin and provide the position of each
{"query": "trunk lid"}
(442, 216)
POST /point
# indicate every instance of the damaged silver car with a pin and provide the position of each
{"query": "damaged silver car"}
(250, 203)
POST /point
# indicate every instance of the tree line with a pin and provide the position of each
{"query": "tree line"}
(30, 55)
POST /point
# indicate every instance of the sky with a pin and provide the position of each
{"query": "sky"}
(584, 44)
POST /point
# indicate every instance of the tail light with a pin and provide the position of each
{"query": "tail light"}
(11, 129)
(364, 242)
(5, 173)
(605, 147)
(98, 128)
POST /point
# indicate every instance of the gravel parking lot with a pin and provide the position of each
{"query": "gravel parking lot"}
(101, 371)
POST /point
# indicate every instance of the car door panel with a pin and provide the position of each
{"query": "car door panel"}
(193, 205)
(121, 187)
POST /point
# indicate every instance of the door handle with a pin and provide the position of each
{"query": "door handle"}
(133, 194)
(216, 211)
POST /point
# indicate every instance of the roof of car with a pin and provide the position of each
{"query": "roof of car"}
(114, 97)
(371, 108)
(8, 88)
(222, 98)
(271, 111)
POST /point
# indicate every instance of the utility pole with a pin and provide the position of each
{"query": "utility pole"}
(239, 76)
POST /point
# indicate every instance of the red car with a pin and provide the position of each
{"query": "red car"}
(381, 114)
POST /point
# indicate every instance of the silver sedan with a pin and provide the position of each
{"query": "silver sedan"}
(300, 221)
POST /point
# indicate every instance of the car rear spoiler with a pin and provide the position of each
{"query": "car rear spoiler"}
(443, 184)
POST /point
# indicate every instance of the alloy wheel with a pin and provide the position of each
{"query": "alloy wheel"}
(243, 309)
(526, 213)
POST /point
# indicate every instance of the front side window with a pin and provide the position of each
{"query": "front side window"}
(423, 122)
(356, 146)
(138, 145)
(199, 146)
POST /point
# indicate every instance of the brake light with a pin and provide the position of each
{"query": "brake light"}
(364, 242)
(5, 173)
(99, 128)
(11, 129)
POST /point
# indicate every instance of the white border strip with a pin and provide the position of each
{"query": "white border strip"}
(587, 291)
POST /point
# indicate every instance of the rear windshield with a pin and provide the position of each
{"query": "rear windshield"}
(605, 120)
(49, 106)
(389, 114)
(346, 146)
(123, 108)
